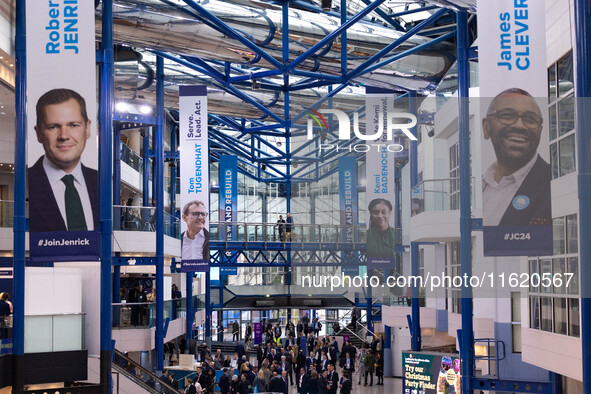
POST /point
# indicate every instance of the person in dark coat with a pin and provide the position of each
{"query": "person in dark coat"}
(379, 369)
(302, 381)
(313, 383)
(346, 385)
(224, 383)
(276, 384)
(333, 379)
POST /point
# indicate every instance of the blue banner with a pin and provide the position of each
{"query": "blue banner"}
(228, 270)
(348, 205)
(63, 246)
(228, 198)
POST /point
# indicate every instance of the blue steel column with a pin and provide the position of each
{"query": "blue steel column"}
(173, 172)
(583, 111)
(105, 185)
(467, 340)
(387, 351)
(208, 309)
(158, 181)
(416, 340)
(286, 114)
(19, 226)
(190, 308)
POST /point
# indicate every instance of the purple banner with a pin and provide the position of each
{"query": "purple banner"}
(258, 333)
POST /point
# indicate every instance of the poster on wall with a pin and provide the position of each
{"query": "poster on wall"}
(194, 160)
(228, 201)
(517, 210)
(430, 373)
(380, 165)
(62, 131)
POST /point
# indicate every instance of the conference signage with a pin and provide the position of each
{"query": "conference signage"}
(61, 131)
(517, 210)
(348, 205)
(194, 160)
(379, 175)
(258, 333)
(228, 200)
(430, 373)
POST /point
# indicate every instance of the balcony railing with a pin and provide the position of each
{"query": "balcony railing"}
(438, 195)
(300, 233)
(131, 158)
(138, 218)
(143, 314)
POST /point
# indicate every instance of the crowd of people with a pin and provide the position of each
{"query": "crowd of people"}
(283, 364)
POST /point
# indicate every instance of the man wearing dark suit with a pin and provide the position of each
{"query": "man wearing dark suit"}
(300, 362)
(346, 386)
(195, 241)
(63, 194)
(276, 384)
(247, 332)
(333, 379)
(240, 350)
(516, 188)
(302, 381)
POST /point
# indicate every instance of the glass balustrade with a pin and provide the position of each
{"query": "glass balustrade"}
(54, 333)
(130, 315)
(438, 195)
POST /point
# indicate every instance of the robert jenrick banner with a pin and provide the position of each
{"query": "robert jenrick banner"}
(517, 212)
(194, 160)
(61, 131)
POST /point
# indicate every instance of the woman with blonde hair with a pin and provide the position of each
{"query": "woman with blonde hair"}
(262, 381)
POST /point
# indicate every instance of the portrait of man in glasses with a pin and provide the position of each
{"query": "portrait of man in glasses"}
(195, 240)
(515, 188)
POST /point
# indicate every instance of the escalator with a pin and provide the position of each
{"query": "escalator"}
(134, 375)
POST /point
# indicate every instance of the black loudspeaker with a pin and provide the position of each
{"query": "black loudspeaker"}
(326, 5)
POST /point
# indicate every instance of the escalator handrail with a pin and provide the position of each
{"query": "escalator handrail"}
(145, 371)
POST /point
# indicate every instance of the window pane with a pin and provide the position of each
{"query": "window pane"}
(554, 159)
(573, 322)
(534, 312)
(516, 307)
(572, 236)
(552, 83)
(559, 266)
(545, 268)
(558, 234)
(567, 155)
(516, 336)
(560, 315)
(553, 125)
(533, 269)
(546, 313)
(565, 74)
(566, 115)
(573, 267)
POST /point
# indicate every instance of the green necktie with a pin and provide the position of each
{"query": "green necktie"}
(74, 211)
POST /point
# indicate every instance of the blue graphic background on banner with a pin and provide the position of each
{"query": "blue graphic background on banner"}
(518, 240)
(64, 246)
(348, 205)
(228, 197)
(195, 266)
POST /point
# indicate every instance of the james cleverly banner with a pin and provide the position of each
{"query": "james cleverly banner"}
(381, 233)
(61, 131)
(517, 211)
(228, 198)
(194, 159)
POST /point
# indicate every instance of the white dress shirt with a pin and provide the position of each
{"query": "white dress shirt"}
(193, 248)
(497, 196)
(55, 175)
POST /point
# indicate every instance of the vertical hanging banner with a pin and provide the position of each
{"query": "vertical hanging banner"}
(517, 210)
(194, 160)
(381, 233)
(228, 199)
(348, 204)
(61, 131)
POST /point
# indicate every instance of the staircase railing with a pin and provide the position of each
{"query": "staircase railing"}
(143, 377)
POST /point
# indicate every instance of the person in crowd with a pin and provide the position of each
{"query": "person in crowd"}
(281, 228)
(379, 363)
(302, 381)
(369, 367)
(247, 333)
(346, 385)
(333, 379)
(313, 383)
(235, 386)
(361, 363)
(288, 228)
(224, 383)
(235, 331)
